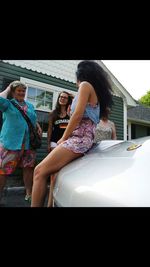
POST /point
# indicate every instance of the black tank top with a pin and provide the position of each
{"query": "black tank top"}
(59, 127)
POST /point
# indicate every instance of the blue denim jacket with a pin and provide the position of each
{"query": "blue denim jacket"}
(14, 127)
(90, 112)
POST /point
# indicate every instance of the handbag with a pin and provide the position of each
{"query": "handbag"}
(35, 138)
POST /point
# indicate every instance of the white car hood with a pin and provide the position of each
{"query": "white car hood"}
(108, 176)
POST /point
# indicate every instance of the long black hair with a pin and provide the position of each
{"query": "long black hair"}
(92, 72)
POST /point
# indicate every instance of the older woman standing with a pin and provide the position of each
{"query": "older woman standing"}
(14, 137)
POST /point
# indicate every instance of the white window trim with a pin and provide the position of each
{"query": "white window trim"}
(45, 87)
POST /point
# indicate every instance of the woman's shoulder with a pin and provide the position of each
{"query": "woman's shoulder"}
(85, 88)
(111, 123)
(85, 84)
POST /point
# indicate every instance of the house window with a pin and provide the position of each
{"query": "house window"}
(43, 96)
(41, 99)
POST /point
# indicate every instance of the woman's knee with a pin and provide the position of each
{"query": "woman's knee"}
(39, 173)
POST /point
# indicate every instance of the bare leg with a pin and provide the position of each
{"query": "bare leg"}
(2, 184)
(28, 179)
(58, 158)
(50, 196)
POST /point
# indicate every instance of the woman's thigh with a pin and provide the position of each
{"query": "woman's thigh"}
(57, 159)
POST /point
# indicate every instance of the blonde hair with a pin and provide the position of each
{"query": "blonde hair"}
(15, 84)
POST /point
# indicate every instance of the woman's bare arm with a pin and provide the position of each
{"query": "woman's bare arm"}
(5, 93)
(83, 98)
(39, 129)
(114, 134)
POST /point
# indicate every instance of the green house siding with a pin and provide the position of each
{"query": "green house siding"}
(10, 72)
(117, 116)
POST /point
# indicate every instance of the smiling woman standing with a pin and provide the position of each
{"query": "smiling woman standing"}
(58, 119)
(14, 137)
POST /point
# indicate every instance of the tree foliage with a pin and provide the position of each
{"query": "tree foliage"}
(145, 100)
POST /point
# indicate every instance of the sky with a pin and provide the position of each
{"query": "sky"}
(134, 75)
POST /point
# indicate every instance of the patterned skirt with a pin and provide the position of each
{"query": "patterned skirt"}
(82, 137)
(10, 159)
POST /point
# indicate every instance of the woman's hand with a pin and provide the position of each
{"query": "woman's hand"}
(49, 148)
(8, 88)
(39, 130)
(60, 141)
(5, 93)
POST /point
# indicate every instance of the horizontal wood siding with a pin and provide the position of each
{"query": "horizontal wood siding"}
(117, 116)
(13, 72)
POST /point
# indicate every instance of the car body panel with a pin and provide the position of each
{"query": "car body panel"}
(109, 175)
